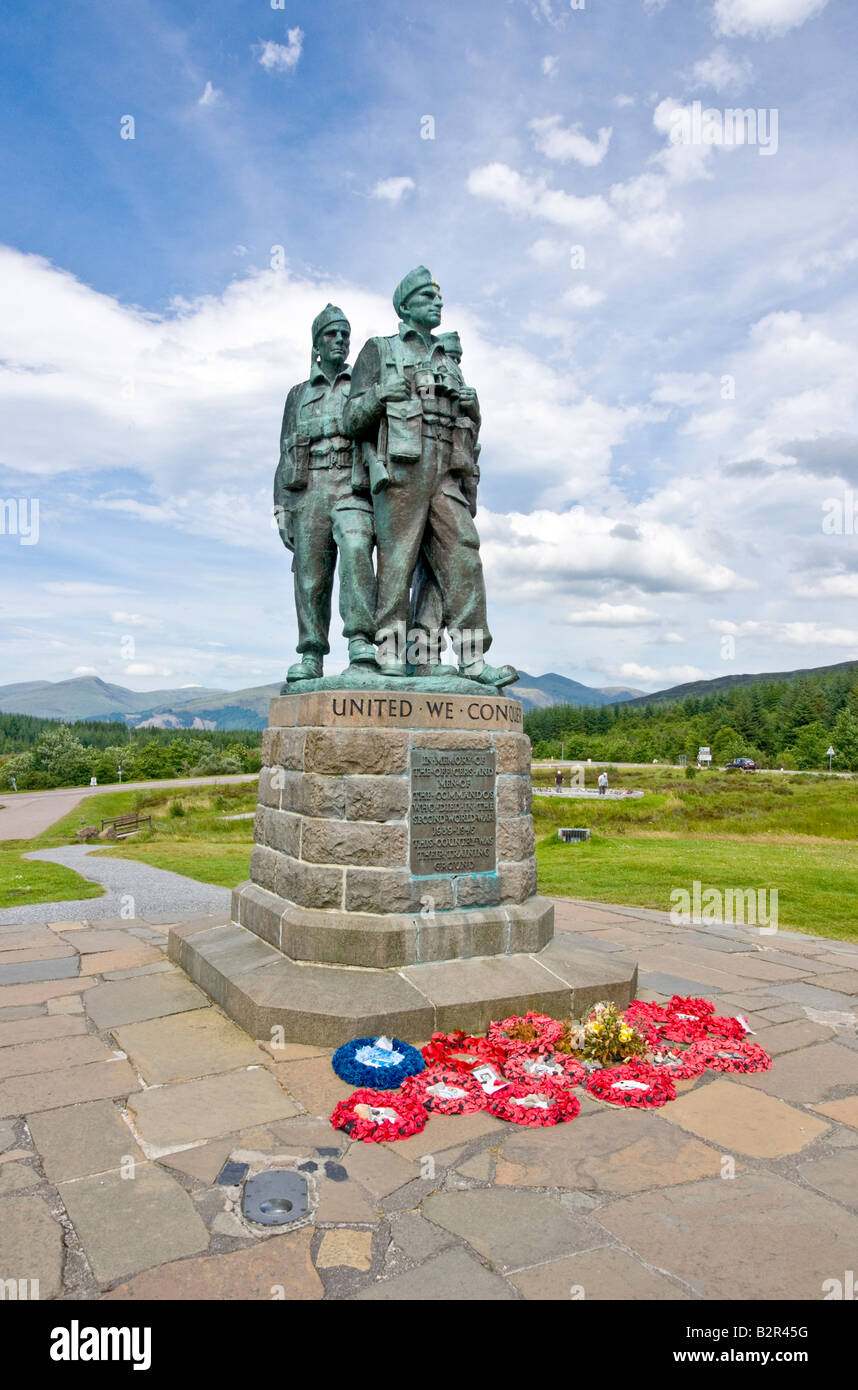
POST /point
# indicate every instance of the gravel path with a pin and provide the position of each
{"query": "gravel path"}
(154, 891)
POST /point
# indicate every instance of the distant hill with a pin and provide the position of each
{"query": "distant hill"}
(721, 683)
(89, 697)
(542, 692)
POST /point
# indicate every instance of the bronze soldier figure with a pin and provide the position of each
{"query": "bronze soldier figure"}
(406, 401)
(322, 505)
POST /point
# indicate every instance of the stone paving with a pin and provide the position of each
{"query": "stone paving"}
(124, 1091)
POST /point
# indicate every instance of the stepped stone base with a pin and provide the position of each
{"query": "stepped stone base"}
(327, 1005)
(393, 877)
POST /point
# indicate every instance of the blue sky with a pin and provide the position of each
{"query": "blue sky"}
(662, 332)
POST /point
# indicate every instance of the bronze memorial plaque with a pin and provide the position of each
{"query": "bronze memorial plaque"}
(453, 818)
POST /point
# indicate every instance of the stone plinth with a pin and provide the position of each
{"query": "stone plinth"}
(393, 877)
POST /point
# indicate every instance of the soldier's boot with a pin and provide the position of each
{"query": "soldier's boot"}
(389, 666)
(309, 668)
(489, 675)
(361, 651)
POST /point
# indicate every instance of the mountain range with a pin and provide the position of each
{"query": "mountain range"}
(89, 697)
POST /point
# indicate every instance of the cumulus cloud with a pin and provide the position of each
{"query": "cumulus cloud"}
(393, 190)
(793, 634)
(762, 18)
(612, 615)
(663, 676)
(556, 141)
(211, 96)
(84, 671)
(147, 668)
(279, 57)
(533, 197)
(549, 65)
(721, 71)
(583, 297)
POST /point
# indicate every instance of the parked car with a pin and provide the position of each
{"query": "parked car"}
(741, 765)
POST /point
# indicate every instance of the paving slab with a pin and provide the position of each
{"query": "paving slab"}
(345, 1247)
(39, 1029)
(305, 1134)
(100, 962)
(43, 990)
(52, 950)
(836, 1176)
(150, 996)
(622, 1151)
(203, 1161)
(845, 981)
(606, 1274)
(378, 1169)
(729, 1116)
(66, 1086)
(50, 1054)
(182, 1046)
(30, 971)
(313, 1083)
(452, 1276)
(277, 1268)
(344, 1202)
(444, 1132)
(756, 1236)
(14, 1177)
(787, 1037)
(512, 1229)
(65, 1004)
(846, 1111)
(416, 1237)
(31, 1244)
(479, 1167)
(129, 1224)
(79, 1140)
(170, 1116)
(808, 1075)
(22, 1011)
(98, 942)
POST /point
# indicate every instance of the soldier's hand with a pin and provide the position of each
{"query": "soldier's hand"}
(395, 389)
(467, 395)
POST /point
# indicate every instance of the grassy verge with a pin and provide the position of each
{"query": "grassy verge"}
(224, 865)
(795, 835)
(25, 881)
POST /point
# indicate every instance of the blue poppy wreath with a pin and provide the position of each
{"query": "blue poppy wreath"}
(380, 1063)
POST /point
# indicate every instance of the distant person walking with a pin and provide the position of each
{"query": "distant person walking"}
(558, 781)
(603, 783)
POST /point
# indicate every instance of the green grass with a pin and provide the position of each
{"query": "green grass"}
(25, 881)
(796, 835)
(210, 862)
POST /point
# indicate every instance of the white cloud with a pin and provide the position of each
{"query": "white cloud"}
(720, 71)
(666, 676)
(211, 96)
(623, 99)
(655, 4)
(534, 198)
(549, 65)
(147, 668)
(78, 588)
(819, 266)
(84, 671)
(612, 615)
(795, 634)
(393, 190)
(831, 586)
(582, 297)
(547, 252)
(673, 639)
(134, 620)
(767, 18)
(279, 57)
(555, 141)
(686, 388)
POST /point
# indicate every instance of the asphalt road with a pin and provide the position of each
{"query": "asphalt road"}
(25, 814)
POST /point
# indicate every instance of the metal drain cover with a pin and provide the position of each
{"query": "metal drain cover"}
(275, 1198)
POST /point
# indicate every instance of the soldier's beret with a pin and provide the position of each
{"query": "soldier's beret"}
(330, 314)
(414, 280)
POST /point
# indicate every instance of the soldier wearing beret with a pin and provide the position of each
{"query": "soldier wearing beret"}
(322, 505)
(408, 407)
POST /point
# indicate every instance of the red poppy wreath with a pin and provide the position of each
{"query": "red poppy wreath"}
(461, 1050)
(446, 1090)
(730, 1055)
(379, 1116)
(557, 1067)
(533, 1103)
(529, 1032)
(680, 1064)
(634, 1083)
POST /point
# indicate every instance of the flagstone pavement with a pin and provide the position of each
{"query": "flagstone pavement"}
(123, 1091)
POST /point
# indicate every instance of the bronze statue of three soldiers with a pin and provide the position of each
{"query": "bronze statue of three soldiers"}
(384, 457)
